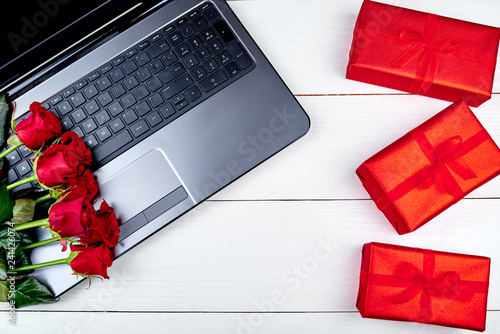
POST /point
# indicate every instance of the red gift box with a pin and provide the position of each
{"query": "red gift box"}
(430, 168)
(421, 285)
(423, 53)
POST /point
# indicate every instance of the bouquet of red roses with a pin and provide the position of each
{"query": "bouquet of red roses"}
(61, 167)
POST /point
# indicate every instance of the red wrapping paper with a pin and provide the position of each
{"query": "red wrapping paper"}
(430, 168)
(421, 285)
(423, 53)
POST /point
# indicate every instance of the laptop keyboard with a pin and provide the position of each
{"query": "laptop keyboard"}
(147, 86)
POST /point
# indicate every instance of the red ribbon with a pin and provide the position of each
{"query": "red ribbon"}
(425, 283)
(428, 51)
(444, 158)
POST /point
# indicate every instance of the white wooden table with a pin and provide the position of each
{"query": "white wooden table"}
(279, 251)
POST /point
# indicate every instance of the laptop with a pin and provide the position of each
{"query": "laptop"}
(173, 97)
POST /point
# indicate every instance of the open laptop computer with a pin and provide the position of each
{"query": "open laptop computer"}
(174, 98)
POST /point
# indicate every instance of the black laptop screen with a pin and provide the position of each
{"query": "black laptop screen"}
(34, 31)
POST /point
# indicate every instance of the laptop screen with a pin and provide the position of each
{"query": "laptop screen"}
(38, 30)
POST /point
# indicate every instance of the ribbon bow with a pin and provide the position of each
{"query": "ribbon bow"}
(428, 52)
(446, 154)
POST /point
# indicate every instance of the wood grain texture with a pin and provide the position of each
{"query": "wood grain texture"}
(279, 250)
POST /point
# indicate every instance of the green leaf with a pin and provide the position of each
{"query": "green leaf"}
(6, 204)
(4, 119)
(14, 141)
(4, 284)
(30, 291)
(19, 238)
(23, 211)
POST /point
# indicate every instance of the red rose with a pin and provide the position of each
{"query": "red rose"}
(38, 128)
(62, 163)
(52, 168)
(68, 218)
(85, 186)
(102, 226)
(92, 260)
(76, 147)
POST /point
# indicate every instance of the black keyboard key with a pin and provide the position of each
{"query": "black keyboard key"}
(112, 145)
(90, 141)
(26, 152)
(116, 75)
(143, 45)
(169, 29)
(155, 100)
(91, 107)
(118, 61)
(193, 14)
(187, 30)
(103, 83)
(169, 58)
(211, 15)
(223, 57)
(183, 49)
(215, 45)
(78, 131)
(199, 72)
(200, 23)
(158, 48)
(142, 108)
(117, 90)
(115, 109)
(203, 53)
(178, 98)
(116, 125)
(64, 108)
(103, 133)
(193, 93)
(106, 68)
(13, 157)
(172, 72)
(240, 55)
(128, 101)
(129, 117)
(23, 168)
(80, 84)
(105, 99)
(211, 65)
(77, 99)
(55, 100)
(176, 86)
(94, 76)
(224, 32)
(79, 116)
(140, 92)
(139, 128)
(156, 66)
(206, 6)
(143, 74)
(102, 117)
(90, 91)
(181, 105)
(232, 69)
(167, 110)
(129, 67)
(142, 59)
(11, 176)
(154, 84)
(154, 119)
(89, 125)
(195, 42)
(174, 38)
(130, 53)
(155, 38)
(213, 80)
(182, 21)
(68, 91)
(67, 123)
(208, 34)
(130, 82)
(190, 61)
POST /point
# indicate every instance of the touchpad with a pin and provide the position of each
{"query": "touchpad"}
(140, 185)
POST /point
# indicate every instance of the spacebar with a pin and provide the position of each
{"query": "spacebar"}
(111, 146)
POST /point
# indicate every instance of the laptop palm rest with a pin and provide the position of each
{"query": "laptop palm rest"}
(131, 190)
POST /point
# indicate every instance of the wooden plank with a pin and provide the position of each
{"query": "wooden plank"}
(308, 42)
(345, 131)
(222, 323)
(233, 256)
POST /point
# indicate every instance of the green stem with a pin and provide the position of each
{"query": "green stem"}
(36, 223)
(10, 150)
(44, 198)
(41, 265)
(39, 243)
(23, 181)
